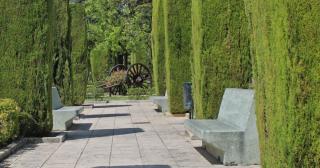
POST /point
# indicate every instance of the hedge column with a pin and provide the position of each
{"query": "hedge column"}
(177, 22)
(221, 52)
(79, 53)
(158, 54)
(286, 44)
(62, 73)
(26, 49)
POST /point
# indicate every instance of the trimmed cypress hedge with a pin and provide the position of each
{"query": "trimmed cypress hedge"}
(158, 50)
(79, 53)
(221, 52)
(62, 73)
(286, 47)
(71, 62)
(26, 49)
(177, 27)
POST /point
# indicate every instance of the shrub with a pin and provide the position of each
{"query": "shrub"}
(177, 28)
(9, 121)
(221, 52)
(286, 47)
(26, 49)
(139, 93)
(158, 49)
(116, 78)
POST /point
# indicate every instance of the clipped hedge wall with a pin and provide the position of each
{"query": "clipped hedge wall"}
(177, 26)
(26, 49)
(9, 121)
(158, 50)
(62, 72)
(79, 53)
(286, 47)
(221, 52)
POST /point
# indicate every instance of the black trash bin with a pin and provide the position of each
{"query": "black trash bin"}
(187, 98)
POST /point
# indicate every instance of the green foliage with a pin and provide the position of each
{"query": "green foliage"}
(177, 25)
(62, 73)
(139, 93)
(26, 51)
(79, 53)
(9, 121)
(118, 33)
(158, 49)
(71, 62)
(221, 52)
(286, 47)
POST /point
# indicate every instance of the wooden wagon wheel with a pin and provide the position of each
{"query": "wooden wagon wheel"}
(138, 75)
(118, 68)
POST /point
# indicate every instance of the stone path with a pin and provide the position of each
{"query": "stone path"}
(118, 135)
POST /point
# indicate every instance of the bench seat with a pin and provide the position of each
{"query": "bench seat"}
(233, 137)
(202, 127)
(161, 102)
(63, 115)
(76, 110)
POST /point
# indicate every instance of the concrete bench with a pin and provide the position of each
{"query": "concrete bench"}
(62, 115)
(233, 137)
(161, 102)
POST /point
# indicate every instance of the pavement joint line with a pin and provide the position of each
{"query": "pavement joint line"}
(160, 138)
(51, 155)
(136, 138)
(87, 141)
(113, 133)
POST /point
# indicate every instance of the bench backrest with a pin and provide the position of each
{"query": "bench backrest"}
(56, 101)
(236, 107)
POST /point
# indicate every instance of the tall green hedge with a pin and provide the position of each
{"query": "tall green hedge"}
(158, 50)
(62, 73)
(71, 62)
(286, 47)
(177, 23)
(221, 52)
(26, 49)
(79, 53)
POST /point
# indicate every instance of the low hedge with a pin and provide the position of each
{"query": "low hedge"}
(9, 121)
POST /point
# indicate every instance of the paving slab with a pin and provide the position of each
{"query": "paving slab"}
(121, 134)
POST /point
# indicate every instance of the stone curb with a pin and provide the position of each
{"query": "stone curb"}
(11, 149)
(16, 145)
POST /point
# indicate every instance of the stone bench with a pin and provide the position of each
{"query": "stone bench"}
(233, 137)
(62, 115)
(161, 102)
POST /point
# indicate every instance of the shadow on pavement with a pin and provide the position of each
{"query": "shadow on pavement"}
(83, 116)
(136, 166)
(207, 156)
(109, 106)
(75, 135)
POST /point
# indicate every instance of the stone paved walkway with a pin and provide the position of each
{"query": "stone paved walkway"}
(118, 135)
